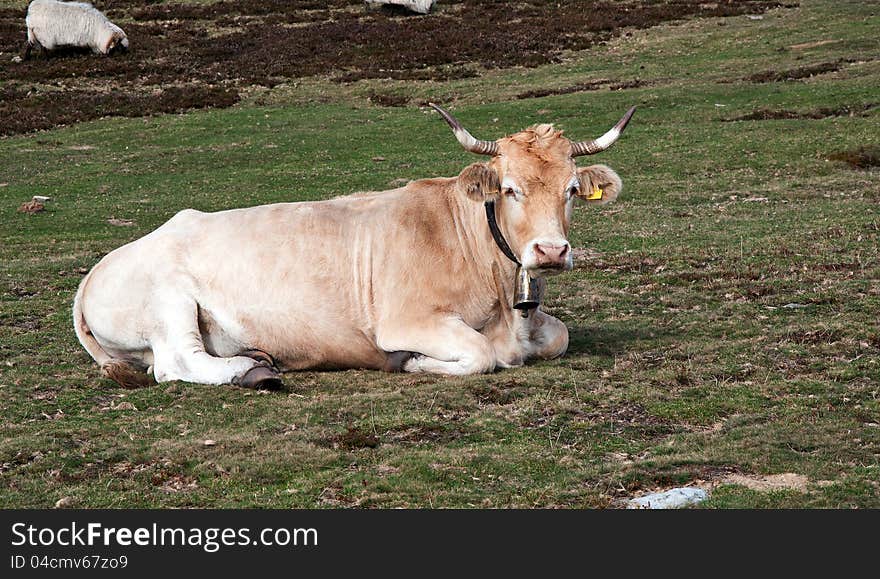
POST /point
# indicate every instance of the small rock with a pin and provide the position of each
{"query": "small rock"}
(16, 59)
(120, 222)
(64, 503)
(378, 159)
(417, 6)
(40, 198)
(209, 442)
(795, 306)
(671, 499)
(123, 406)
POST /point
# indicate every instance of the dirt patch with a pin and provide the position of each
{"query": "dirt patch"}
(355, 438)
(501, 394)
(814, 337)
(621, 414)
(798, 73)
(202, 55)
(388, 99)
(352, 439)
(772, 482)
(708, 478)
(764, 114)
(21, 458)
(632, 416)
(289, 10)
(579, 87)
(627, 263)
(844, 266)
(807, 45)
(335, 496)
(27, 322)
(584, 87)
(175, 483)
(21, 292)
(22, 111)
(704, 476)
(861, 158)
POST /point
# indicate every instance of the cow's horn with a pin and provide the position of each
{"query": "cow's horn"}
(465, 138)
(598, 145)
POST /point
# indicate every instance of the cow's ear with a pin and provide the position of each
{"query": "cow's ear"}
(479, 182)
(599, 184)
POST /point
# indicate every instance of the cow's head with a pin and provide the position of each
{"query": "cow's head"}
(533, 180)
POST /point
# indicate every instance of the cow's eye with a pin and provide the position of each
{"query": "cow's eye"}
(509, 192)
(572, 191)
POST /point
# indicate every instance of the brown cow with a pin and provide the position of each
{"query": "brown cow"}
(420, 279)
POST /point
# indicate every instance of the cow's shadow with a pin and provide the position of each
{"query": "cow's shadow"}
(609, 339)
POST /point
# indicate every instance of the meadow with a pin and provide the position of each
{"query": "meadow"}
(723, 313)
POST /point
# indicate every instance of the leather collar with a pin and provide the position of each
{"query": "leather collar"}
(497, 235)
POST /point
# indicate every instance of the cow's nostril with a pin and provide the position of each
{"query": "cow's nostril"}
(539, 250)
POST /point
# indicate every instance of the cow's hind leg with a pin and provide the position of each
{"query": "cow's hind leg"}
(180, 354)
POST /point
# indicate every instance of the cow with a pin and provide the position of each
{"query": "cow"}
(422, 278)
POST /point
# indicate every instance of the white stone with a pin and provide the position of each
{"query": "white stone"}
(671, 499)
(420, 6)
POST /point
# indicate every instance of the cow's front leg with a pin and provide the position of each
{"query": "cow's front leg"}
(547, 336)
(441, 346)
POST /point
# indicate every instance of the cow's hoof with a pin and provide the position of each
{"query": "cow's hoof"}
(261, 378)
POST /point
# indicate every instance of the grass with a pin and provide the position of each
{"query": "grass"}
(725, 319)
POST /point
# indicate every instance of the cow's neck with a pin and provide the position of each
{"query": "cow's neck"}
(495, 271)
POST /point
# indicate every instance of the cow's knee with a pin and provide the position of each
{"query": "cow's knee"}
(479, 361)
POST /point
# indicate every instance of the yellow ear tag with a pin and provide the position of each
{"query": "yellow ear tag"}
(596, 194)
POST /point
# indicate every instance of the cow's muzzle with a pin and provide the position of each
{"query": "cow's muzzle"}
(544, 257)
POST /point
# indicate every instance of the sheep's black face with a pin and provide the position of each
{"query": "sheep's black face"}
(118, 45)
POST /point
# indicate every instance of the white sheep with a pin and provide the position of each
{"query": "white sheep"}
(52, 24)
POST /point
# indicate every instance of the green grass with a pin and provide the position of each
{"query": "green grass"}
(684, 364)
